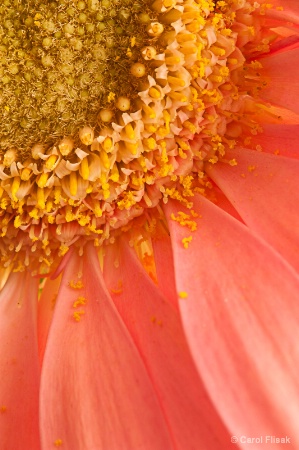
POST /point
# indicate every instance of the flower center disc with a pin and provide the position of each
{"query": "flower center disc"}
(59, 61)
(109, 106)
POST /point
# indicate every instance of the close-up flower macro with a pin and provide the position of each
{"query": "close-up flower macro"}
(149, 224)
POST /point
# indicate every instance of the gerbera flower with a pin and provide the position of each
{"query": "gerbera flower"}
(149, 224)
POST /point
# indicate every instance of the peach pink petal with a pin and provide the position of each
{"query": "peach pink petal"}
(283, 85)
(264, 190)
(222, 201)
(95, 392)
(241, 319)
(46, 307)
(156, 329)
(19, 364)
(164, 268)
(289, 11)
(278, 139)
(287, 43)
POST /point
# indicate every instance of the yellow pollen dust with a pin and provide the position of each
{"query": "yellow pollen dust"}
(79, 301)
(185, 220)
(76, 284)
(78, 315)
(186, 241)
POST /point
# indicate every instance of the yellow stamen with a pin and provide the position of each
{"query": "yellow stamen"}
(185, 37)
(40, 198)
(150, 143)
(114, 173)
(73, 184)
(107, 144)
(166, 117)
(177, 82)
(132, 147)
(178, 96)
(25, 174)
(57, 194)
(50, 163)
(49, 205)
(129, 130)
(105, 160)
(15, 187)
(150, 128)
(148, 111)
(171, 60)
(34, 213)
(218, 50)
(17, 222)
(154, 93)
(190, 50)
(84, 169)
(63, 249)
(42, 181)
(189, 125)
(97, 208)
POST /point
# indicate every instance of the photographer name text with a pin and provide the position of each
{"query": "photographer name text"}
(261, 439)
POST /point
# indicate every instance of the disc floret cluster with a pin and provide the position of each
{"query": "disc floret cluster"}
(159, 90)
(58, 63)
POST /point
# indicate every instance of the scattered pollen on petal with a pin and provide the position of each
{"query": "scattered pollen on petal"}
(186, 241)
(251, 168)
(155, 321)
(185, 220)
(80, 301)
(78, 314)
(76, 284)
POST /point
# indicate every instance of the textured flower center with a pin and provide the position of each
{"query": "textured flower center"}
(59, 62)
(109, 108)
